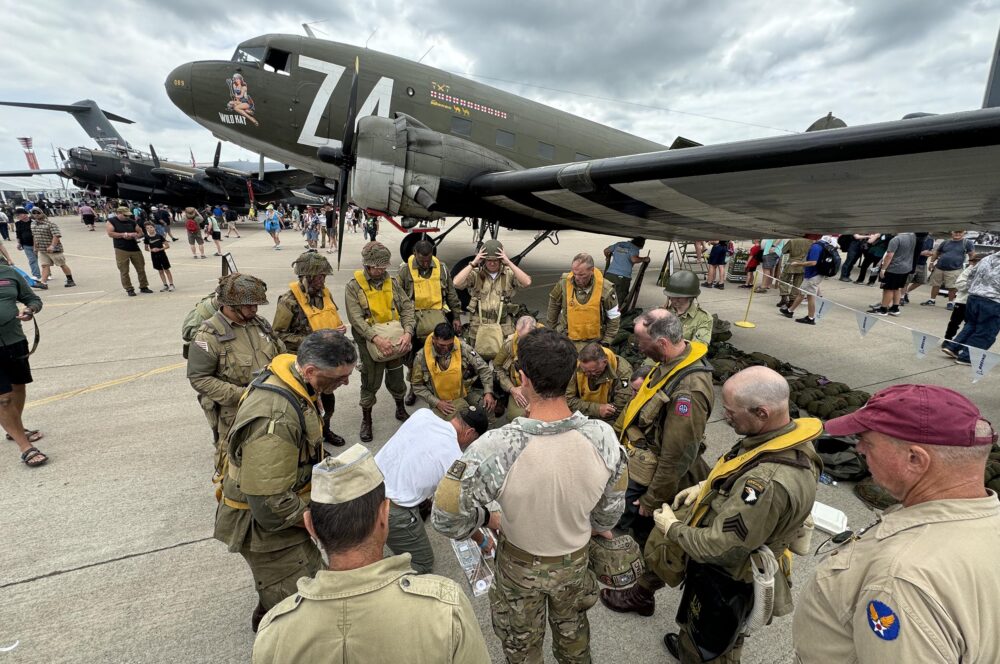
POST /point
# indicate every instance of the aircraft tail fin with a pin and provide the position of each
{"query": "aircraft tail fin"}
(992, 97)
(90, 116)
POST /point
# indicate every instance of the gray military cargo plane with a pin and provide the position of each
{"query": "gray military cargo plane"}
(118, 170)
(425, 144)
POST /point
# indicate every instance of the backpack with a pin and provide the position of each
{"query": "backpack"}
(191, 225)
(840, 458)
(201, 312)
(828, 263)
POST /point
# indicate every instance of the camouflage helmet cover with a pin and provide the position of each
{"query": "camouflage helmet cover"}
(375, 254)
(238, 289)
(616, 562)
(310, 264)
(683, 283)
(492, 248)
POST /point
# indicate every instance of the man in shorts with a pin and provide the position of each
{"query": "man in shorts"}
(949, 261)
(811, 279)
(15, 371)
(897, 263)
(194, 222)
(48, 246)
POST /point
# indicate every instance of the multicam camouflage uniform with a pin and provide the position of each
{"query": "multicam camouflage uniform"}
(527, 586)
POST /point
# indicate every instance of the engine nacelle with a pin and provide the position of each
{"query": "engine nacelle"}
(399, 166)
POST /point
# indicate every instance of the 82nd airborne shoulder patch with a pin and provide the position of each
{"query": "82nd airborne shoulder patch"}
(682, 406)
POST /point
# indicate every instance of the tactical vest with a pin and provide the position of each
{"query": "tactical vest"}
(583, 320)
(426, 291)
(603, 392)
(278, 379)
(326, 318)
(448, 383)
(381, 308)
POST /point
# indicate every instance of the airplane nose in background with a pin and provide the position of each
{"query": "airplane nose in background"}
(179, 88)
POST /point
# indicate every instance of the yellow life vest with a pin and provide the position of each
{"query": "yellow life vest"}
(806, 429)
(448, 384)
(646, 392)
(380, 303)
(583, 321)
(326, 318)
(427, 292)
(601, 394)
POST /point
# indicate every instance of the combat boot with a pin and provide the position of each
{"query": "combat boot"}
(411, 398)
(782, 302)
(332, 438)
(637, 598)
(366, 425)
(401, 413)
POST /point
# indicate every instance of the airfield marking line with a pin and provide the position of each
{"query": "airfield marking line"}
(111, 361)
(101, 386)
(89, 292)
(60, 572)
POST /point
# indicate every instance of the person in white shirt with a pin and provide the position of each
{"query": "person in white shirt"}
(413, 462)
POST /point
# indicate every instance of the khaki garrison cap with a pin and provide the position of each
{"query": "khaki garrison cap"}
(342, 478)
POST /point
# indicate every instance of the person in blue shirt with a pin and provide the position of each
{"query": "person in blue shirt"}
(811, 279)
(623, 256)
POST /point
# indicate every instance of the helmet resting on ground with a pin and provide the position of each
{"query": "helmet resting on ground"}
(616, 562)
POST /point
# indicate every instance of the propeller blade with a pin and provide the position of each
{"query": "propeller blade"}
(342, 200)
(218, 153)
(352, 112)
(260, 168)
(156, 160)
(62, 157)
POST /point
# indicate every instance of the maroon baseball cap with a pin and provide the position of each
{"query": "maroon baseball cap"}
(925, 414)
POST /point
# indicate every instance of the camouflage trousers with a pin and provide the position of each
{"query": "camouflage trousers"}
(276, 573)
(372, 372)
(525, 593)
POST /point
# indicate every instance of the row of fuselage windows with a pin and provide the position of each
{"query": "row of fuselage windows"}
(506, 139)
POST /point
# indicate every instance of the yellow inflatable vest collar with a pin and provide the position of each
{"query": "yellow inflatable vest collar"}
(448, 384)
(806, 429)
(646, 392)
(583, 321)
(326, 318)
(602, 393)
(426, 292)
(380, 305)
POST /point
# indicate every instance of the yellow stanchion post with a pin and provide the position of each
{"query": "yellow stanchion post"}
(746, 323)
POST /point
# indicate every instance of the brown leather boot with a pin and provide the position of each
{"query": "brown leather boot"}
(401, 413)
(410, 399)
(366, 425)
(636, 598)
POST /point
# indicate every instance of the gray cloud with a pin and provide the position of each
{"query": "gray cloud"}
(773, 63)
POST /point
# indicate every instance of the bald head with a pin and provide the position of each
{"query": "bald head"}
(524, 325)
(755, 401)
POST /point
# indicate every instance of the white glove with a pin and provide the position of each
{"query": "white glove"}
(687, 496)
(663, 517)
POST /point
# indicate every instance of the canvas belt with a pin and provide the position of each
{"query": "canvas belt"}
(237, 505)
(516, 553)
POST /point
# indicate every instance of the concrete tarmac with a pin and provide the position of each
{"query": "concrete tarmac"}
(107, 550)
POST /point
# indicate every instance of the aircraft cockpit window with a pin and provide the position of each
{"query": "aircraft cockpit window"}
(82, 154)
(546, 151)
(461, 126)
(249, 54)
(277, 61)
(505, 139)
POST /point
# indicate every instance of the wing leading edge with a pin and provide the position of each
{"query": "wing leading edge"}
(932, 173)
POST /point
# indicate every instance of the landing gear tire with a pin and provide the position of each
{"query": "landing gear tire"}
(463, 293)
(406, 246)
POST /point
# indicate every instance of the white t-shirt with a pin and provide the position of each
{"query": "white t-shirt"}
(416, 458)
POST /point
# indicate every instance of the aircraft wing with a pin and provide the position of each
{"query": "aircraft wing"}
(29, 173)
(931, 173)
(289, 178)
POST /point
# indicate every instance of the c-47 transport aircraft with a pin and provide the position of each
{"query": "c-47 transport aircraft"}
(411, 141)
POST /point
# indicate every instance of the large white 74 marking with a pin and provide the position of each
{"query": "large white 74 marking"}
(377, 102)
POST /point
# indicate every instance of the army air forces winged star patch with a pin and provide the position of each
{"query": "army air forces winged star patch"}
(883, 620)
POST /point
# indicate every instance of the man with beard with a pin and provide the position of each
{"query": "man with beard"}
(276, 438)
(308, 307)
(759, 494)
(662, 429)
(228, 350)
(382, 322)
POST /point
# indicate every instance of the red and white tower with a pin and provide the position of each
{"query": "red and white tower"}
(29, 153)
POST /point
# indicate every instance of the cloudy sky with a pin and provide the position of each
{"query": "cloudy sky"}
(710, 70)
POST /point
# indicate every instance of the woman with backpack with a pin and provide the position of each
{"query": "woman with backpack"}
(193, 223)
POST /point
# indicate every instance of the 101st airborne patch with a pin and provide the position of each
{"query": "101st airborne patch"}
(752, 491)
